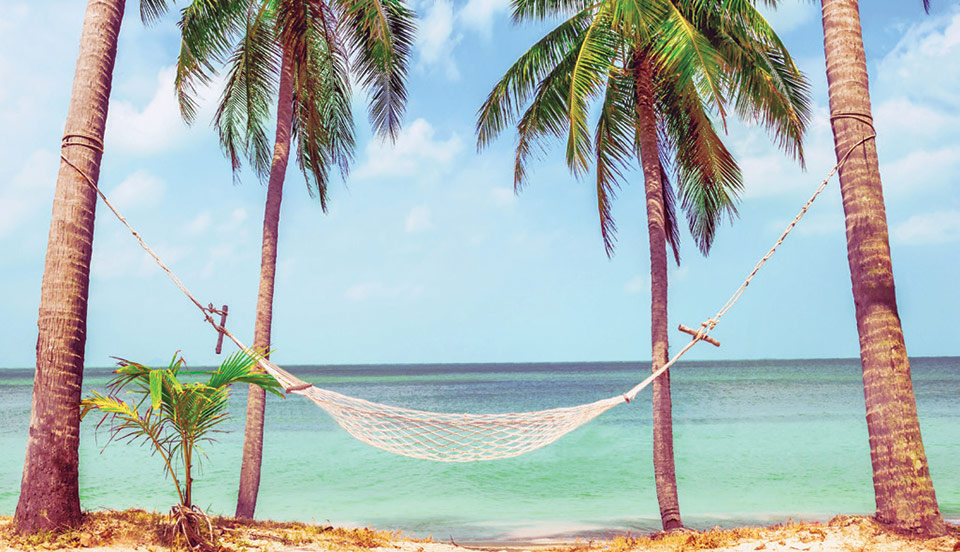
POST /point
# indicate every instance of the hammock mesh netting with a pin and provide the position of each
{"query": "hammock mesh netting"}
(445, 437)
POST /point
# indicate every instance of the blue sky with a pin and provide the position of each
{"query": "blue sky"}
(426, 254)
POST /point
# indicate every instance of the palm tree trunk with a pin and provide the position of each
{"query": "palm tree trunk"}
(663, 465)
(901, 480)
(49, 490)
(256, 399)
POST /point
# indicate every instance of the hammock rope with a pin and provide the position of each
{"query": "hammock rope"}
(450, 437)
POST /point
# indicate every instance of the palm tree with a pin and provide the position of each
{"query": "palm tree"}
(901, 479)
(660, 66)
(175, 418)
(305, 51)
(49, 491)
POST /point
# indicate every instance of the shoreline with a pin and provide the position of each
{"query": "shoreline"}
(141, 531)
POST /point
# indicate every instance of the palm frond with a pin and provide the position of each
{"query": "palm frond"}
(680, 48)
(708, 177)
(152, 10)
(323, 118)
(670, 227)
(545, 118)
(505, 102)
(244, 111)
(595, 59)
(538, 10)
(765, 81)
(208, 29)
(240, 367)
(381, 34)
(615, 149)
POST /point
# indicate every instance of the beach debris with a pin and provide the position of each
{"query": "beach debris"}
(87, 540)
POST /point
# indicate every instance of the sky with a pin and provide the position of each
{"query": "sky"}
(426, 254)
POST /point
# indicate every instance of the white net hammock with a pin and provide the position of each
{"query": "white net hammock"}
(446, 437)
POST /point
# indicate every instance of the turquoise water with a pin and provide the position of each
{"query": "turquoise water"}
(756, 442)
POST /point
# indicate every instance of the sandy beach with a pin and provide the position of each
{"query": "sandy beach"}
(141, 531)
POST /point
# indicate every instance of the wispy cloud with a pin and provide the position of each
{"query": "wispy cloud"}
(923, 63)
(29, 191)
(139, 189)
(436, 40)
(154, 128)
(929, 229)
(478, 14)
(416, 151)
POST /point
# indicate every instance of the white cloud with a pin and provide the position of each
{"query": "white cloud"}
(418, 220)
(416, 151)
(767, 171)
(140, 188)
(929, 228)
(155, 128)
(638, 284)
(923, 64)
(478, 14)
(436, 39)
(29, 191)
(920, 170)
(903, 119)
(376, 290)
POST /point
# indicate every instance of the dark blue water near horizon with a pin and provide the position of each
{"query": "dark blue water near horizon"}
(757, 441)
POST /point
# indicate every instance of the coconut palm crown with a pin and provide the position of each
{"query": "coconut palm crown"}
(324, 42)
(708, 57)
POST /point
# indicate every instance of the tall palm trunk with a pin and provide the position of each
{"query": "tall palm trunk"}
(49, 491)
(663, 464)
(253, 432)
(901, 480)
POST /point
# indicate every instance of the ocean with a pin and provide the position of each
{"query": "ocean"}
(757, 442)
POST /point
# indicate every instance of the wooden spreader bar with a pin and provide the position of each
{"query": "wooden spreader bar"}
(300, 387)
(706, 338)
(223, 324)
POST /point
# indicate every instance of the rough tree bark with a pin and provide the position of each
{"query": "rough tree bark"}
(256, 400)
(663, 462)
(49, 491)
(902, 485)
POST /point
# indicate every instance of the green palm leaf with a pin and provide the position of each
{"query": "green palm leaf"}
(615, 149)
(708, 177)
(208, 30)
(595, 59)
(541, 62)
(381, 37)
(244, 110)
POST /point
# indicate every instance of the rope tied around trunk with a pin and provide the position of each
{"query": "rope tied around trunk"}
(449, 437)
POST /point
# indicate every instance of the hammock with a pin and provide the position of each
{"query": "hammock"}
(446, 437)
